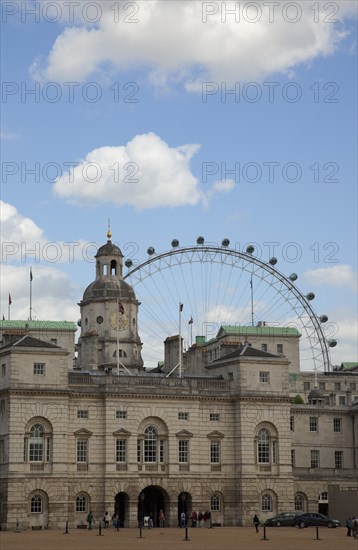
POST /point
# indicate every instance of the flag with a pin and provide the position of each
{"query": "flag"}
(10, 301)
(120, 308)
(191, 321)
(31, 277)
(180, 307)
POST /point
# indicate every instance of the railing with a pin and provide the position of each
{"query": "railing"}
(112, 382)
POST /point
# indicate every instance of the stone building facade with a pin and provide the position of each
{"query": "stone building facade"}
(230, 436)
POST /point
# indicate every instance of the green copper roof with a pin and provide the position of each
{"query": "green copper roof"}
(349, 364)
(262, 330)
(38, 325)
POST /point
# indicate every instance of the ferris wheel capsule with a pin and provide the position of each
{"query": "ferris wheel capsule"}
(225, 242)
(323, 318)
(151, 251)
(273, 261)
(293, 277)
(250, 249)
(310, 296)
(128, 263)
(200, 240)
(332, 343)
(175, 243)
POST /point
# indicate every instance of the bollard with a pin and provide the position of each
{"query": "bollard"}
(186, 534)
(317, 534)
(100, 529)
(66, 530)
(140, 531)
(265, 537)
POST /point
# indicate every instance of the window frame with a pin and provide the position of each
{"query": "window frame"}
(36, 504)
(39, 369)
(264, 377)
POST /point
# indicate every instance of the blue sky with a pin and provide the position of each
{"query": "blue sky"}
(165, 155)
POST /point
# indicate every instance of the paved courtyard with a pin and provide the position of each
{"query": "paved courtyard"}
(225, 538)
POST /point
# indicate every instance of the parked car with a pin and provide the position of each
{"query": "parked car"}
(304, 520)
(285, 518)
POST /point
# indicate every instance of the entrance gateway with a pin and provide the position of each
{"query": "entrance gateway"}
(151, 500)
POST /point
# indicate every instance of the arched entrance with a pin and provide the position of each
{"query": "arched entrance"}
(150, 501)
(121, 508)
(184, 505)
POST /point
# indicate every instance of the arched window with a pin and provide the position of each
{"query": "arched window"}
(298, 503)
(150, 444)
(36, 505)
(81, 503)
(36, 443)
(215, 503)
(266, 503)
(266, 447)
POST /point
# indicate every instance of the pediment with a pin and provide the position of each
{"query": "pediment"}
(215, 435)
(184, 433)
(122, 433)
(83, 432)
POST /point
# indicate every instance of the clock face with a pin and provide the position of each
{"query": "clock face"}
(118, 320)
(99, 319)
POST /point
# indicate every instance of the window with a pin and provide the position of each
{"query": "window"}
(266, 503)
(293, 457)
(215, 503)
(264, 377)
(337, 386)
(36, 443)
(341, 399)
(279, 348)
(306, 386)
(292, 423)
(121, 414)
(121, 450)
(183, 416)
(81, 504)
(121, 353)
(82, 450)
(337, 425)
(298, 503)
(352, 386)
(3, 369)
(81, 413)
(2, 450)
(36, 505)
(150, 445)
(263, 347)
(214, 417)
(263, 447)
(313, 423)
(215, 452)
(183, 451)
(314, 459)
(322, 386)
(39, 368)
(139, 450)
(338, 459)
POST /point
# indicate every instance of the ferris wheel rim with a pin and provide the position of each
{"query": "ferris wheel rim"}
(248, 257)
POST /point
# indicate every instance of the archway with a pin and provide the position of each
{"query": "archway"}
(184, 505)
(121, 508)
(151, 500)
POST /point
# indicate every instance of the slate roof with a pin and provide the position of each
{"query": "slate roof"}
(29, 342)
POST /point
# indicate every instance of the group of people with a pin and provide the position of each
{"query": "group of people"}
(352, 527)
(198, 519)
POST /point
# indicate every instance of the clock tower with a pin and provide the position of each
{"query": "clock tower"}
(109, 339)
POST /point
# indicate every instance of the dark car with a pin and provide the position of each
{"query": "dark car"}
(304, 520)
(285, 518)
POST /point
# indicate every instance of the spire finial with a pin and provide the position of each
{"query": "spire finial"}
(109, 232)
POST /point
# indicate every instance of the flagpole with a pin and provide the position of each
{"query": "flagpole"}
(30, 293)
(8, 309)
(117, 330)
(252, 302)
(180, 353)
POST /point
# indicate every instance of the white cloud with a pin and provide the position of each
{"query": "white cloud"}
(182, 40)
(144, 173)
(50, 287)
(339, 276)
(5, 135)
(22, 240)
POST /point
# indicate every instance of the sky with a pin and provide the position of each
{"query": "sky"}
(175, 120)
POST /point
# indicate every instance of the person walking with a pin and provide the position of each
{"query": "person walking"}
(349, 525)
(256, 522)
(90, 519)
(161, 518)
(182, 519)
(106, 520)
